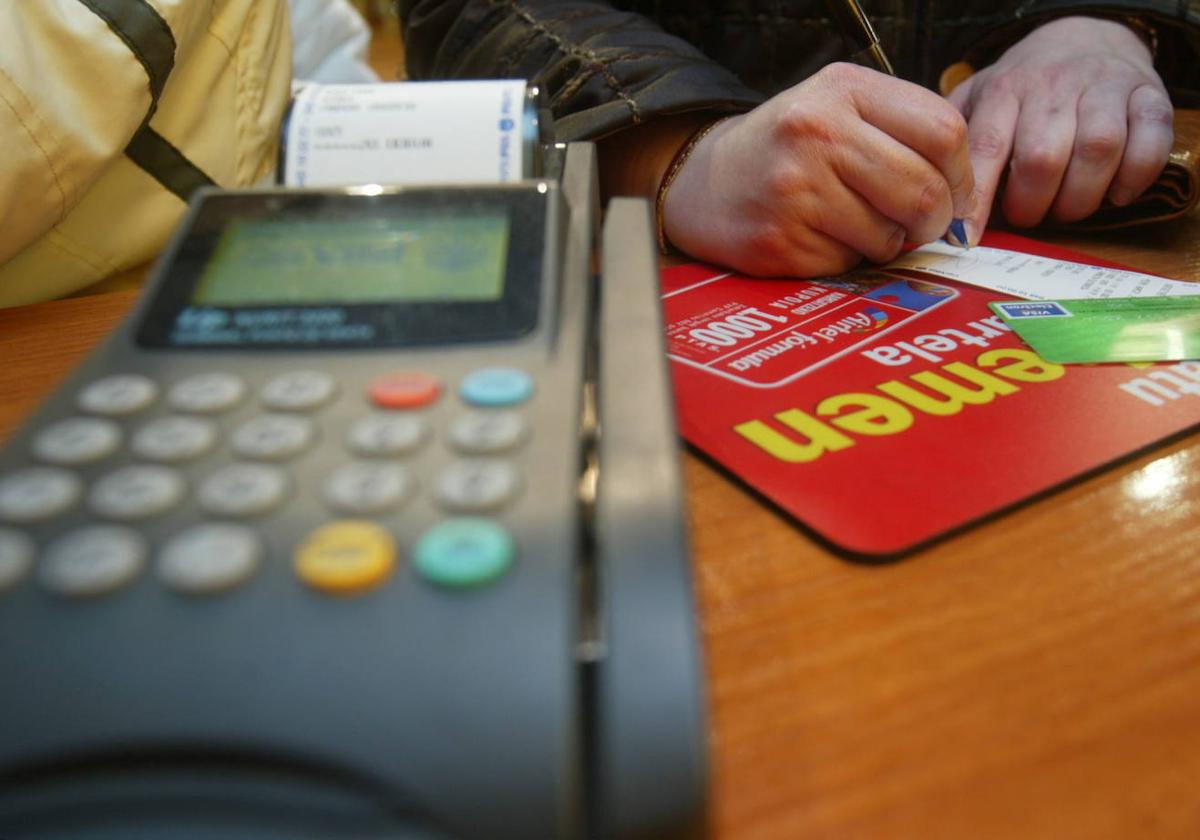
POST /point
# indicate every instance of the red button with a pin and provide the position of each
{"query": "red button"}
(405, 389)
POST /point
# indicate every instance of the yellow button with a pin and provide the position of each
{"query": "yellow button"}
(346, 557)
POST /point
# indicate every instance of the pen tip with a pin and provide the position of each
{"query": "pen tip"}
(959, 230)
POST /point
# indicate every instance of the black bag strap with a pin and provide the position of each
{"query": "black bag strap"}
(149, 38)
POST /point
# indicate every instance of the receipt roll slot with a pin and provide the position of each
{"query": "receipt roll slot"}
(367, 522)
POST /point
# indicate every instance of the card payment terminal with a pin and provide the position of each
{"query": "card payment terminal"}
(366, 523)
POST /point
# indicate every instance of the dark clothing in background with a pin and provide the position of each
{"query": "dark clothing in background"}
(606, 66)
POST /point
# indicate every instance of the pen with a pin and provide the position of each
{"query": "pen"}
(863, 45)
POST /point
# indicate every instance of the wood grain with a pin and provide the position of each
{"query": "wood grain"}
(1034, 677)
(40, 344)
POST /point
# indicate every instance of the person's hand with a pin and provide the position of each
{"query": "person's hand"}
(847, 164)
(1075, 112)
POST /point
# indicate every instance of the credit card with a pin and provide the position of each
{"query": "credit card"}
(1143, 329)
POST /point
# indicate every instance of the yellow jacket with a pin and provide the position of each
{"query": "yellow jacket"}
(111, 112)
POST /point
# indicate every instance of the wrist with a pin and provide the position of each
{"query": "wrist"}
(1058, 30)
(1111, 31)
(674, 167)
(1145, 30)
(634, 160)
(643, 160)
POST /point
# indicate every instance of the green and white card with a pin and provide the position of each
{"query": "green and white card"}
(1141, 329)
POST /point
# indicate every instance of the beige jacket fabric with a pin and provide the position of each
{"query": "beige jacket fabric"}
(78, 79)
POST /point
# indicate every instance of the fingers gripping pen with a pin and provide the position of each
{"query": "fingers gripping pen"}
(863, 45)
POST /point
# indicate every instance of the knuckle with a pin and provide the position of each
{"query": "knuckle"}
(781, 183)
(841, 263)
(802, 122)
(934, 195)
(839, 74)
(988, 144)
(1037, 163)
(1009, 83)
(1100, 144)
(1153, 108)
(821, 259)
(889, 246)
(822, 216)
(949, 130)
(765, 245)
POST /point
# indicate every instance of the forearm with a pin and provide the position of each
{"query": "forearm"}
(602, 71)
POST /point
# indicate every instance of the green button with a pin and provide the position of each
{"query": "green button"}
(464, 552)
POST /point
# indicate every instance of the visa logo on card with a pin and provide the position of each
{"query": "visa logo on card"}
(1032, 309)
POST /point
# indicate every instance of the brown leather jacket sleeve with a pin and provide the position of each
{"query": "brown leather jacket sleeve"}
(602, 69)
(606, 68)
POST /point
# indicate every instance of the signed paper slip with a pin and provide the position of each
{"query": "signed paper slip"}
(1036, 277)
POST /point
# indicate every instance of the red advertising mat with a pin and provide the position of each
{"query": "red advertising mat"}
(885, 408)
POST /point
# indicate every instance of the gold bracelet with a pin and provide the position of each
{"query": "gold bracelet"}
(673, 168)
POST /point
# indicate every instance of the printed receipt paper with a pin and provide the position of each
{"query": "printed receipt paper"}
(1037, 277)
(887, 407)
(405, 133)
(1081, 313)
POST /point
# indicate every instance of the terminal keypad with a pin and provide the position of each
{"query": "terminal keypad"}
(139, 451)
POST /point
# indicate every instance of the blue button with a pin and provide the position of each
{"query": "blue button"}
(498, 386)
(464, 552)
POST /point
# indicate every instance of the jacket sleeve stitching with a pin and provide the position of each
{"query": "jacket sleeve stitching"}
(520, 51)
(595, 63)
(55, 238)
(583, 78)
(211, 29)
(62, 193)
(245, 97)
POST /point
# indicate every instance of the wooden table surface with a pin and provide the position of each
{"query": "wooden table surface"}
(1034, 677)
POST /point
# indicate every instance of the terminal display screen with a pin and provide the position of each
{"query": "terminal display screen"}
(320, 270)
(373, 259)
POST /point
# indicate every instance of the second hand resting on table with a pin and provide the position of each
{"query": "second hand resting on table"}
(851, 163)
